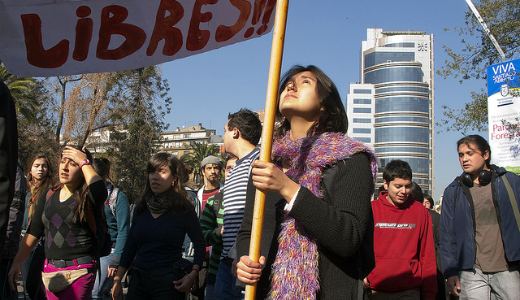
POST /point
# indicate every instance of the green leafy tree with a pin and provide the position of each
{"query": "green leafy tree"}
(19, 86)
(477, 53)
(144, 103)
(34, 114)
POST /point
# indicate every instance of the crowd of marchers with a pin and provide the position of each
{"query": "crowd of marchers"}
(71, 232)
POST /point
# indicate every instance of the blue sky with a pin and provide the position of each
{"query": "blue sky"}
(206, 87)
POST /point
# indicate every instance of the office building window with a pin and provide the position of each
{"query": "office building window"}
(363, 139)
(402, 149)
(399, 73)
(362, 110)
(362, 101)
(402, 119)
(362, 120)
(362, 91)
(403, 89)
(393, 104)
(403, 45)
(362, 130)
(376, 58)
(418, 165)
(402, 134)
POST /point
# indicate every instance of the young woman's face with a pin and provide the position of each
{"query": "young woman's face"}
(39, 169)
(70, 172)
(300, 97)
(161, 179)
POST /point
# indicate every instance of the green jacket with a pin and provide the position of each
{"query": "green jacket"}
(211, 223)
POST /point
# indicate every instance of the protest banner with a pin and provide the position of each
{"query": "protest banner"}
(504, 114)
(64, 37)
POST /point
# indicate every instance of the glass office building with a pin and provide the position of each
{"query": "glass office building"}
(392, 107)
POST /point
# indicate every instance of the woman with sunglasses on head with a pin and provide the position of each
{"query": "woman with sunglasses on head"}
(162, 218)
(64, 217)
(318, 227)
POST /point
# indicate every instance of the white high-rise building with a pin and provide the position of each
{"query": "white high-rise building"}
(392, 106)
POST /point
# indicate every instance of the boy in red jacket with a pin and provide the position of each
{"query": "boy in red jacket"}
(403, 241)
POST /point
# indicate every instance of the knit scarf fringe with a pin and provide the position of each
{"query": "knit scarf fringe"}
(295, 273)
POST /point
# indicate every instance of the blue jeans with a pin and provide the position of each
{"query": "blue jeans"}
(103, 284)
(209, 293)
(225, 285)
(32, 273)
(475, 284)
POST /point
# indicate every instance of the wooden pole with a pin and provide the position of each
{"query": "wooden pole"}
(268, 128)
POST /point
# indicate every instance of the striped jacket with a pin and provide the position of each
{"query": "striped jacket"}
(211, 222)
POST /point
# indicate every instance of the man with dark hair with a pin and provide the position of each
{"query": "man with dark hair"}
(241, 135)
(248, 123)
(403, 241)
(480, 227)
(8, 156)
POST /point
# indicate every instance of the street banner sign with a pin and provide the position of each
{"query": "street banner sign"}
(64, 37)
(504, 114)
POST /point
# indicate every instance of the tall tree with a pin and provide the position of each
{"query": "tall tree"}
(61, 87)
(478, 52)
(145, 102)
(90, 106)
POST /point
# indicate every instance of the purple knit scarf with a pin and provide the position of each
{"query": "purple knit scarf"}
(295, 269)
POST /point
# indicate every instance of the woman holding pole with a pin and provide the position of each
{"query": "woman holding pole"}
(318, 228)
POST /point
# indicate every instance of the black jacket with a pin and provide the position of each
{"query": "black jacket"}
(8, 156)
(16, 214)
(342, 224)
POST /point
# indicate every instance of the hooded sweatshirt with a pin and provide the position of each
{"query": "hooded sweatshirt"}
(404, 248)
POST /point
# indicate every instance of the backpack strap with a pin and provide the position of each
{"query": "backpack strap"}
(112, 200)
(50, 192)
(512, 199)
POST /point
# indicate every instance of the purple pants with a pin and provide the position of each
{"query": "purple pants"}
(81, 289)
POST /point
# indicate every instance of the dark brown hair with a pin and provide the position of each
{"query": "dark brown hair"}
(248, 123)
(397, 169)
(333, 117)
(177, 193)
(480, 142)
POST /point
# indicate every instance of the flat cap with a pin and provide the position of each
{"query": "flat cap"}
(210, 160)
